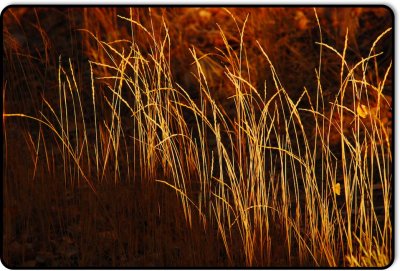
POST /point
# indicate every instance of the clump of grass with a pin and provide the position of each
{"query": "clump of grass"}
(304, 169)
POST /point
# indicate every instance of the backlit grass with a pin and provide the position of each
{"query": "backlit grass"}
(268, 178)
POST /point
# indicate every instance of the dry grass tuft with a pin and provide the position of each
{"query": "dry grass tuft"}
(227, 142)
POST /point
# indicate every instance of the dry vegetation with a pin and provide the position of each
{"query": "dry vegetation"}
(197, 137)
